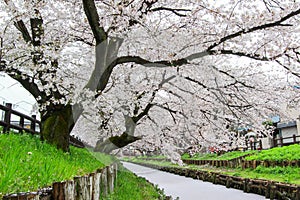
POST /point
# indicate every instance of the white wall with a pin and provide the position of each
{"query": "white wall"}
(298, 125)
(289, 132)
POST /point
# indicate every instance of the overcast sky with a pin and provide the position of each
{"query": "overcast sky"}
(12, 92)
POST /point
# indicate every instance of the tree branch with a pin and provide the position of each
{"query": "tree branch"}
(256, 28)
(93, 19)
(176, 11)
(22, 28)
(147, 63)
(20, 25)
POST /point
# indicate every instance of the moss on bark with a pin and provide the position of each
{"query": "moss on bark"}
(56, 127)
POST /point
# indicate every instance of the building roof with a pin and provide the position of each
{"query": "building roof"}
(286, 124)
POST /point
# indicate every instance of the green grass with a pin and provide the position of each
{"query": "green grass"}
(214, 156)
(288, 153)
(27, 164)
(129, 186)
(280, 174)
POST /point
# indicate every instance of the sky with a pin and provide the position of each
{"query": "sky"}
(12, 92)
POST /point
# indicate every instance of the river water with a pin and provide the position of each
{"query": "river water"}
(188, 188)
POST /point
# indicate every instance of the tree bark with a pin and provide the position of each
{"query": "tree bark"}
(115, 142)
(57, 125)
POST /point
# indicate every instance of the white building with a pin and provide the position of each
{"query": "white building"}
(288, 131)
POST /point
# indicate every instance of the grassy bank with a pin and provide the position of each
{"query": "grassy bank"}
(27, 164)
(286, 153)
(130, 186)
(282, 174)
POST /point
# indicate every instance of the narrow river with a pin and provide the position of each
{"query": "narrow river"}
(188, 188)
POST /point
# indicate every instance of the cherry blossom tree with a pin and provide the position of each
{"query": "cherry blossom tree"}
(67, 54)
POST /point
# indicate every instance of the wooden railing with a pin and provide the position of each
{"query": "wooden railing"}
(277, 142)
(282, 141)
(7, 124)
(28, 124)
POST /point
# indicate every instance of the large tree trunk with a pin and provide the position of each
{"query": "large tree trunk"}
(57, 125)
(115, 142)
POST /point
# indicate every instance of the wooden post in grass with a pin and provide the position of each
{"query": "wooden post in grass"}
(70, 190)
(116, 172)
(7, 117)
(63, 190)
(96, 185)
(21, 123)
(104, 185)
(297, 196)
(110, 179)
(58, 191)
(281, 141)
(274, 143)
(81, 191)
(33, 122)
(294, 139)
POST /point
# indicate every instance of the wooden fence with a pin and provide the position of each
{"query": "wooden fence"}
(7, 122)
(276, 142)
(235, 162)
(88, 187)
(28, 124)
(282, 141)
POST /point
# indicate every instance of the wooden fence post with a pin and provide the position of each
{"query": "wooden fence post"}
(21, 123)
(96, 185)
(274, 142)
(110, 179)
(63, 190)
(104, 185)
(7, 117)
(81, 191)
(297, 196)
(115, 172)
(281, 141)
(58, 191)
(70, 190)
(32, 125)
